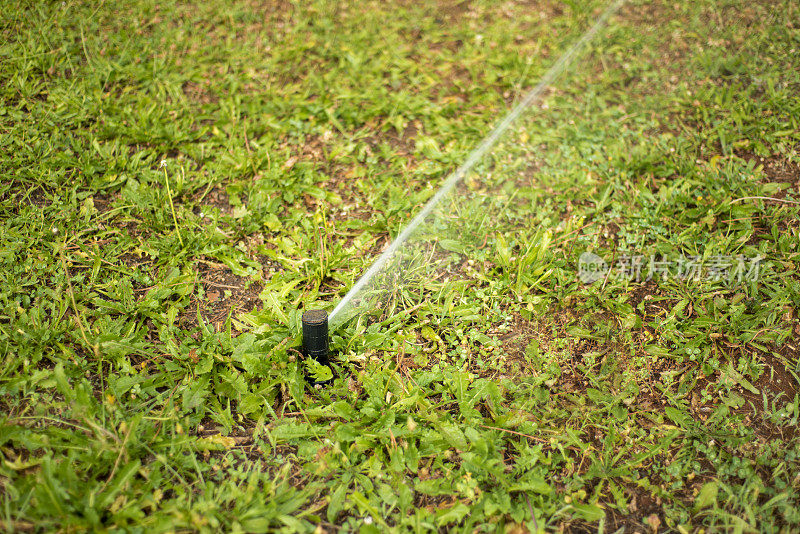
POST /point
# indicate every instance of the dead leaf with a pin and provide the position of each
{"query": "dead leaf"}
(218, 439)
(654, 522)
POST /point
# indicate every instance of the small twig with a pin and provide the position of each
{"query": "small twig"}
(83, 45)
(119, 457)
(213, 264)
(168, 285)
(75, 305)
(21, 421)
(171, 205)
(98, 242)
(223, 286)
(17, 526)
(247, 141)
(766, 198)
(533, 516)
(249, 152)
(534, 438)
(563, 238)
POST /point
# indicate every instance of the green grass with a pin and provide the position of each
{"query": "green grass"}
(149, 312)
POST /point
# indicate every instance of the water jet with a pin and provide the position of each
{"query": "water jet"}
(344, 309)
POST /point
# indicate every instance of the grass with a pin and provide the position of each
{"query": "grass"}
(149, 312)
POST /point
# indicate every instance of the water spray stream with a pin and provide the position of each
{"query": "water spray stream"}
(477, 153)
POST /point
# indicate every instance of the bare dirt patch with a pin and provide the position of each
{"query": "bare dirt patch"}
(521, 333)
(199, 93)
(778, 387)
(226, 295)
(218, 198)
(777, 170)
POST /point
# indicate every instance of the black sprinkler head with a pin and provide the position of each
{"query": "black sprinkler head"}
(315, 335)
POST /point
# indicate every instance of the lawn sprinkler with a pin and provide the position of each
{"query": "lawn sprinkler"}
(315, 342)
(315, 335)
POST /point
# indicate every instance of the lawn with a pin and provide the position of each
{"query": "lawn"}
(181, 181)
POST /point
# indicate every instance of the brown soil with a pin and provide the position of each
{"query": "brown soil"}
(779, 387)
(777, 170)
(226, 295)
(199, 93)
(217, 197)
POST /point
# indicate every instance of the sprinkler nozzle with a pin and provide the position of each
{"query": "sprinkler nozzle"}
(315, 335)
